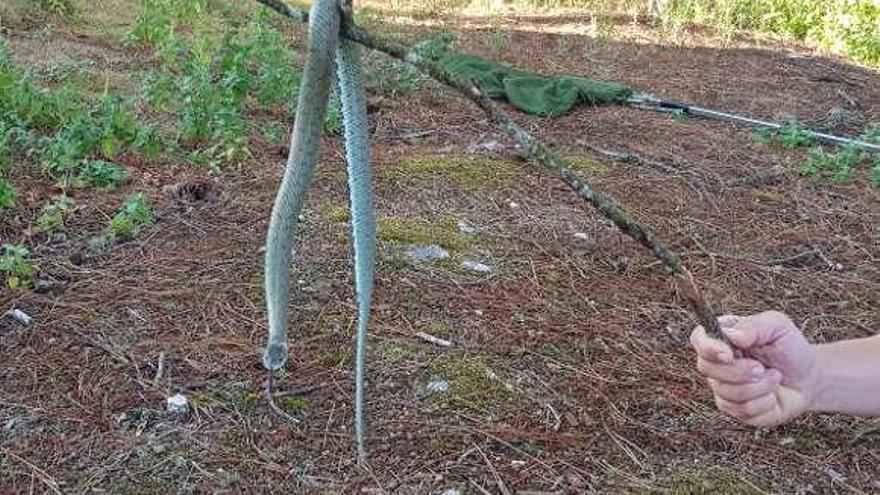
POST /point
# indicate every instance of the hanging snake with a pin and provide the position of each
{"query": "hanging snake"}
(325, 51)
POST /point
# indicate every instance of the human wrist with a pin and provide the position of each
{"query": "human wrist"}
(824, 382)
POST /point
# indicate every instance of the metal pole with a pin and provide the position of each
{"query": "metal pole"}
(650, 103)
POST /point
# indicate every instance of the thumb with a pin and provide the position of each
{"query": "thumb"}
(759, 330)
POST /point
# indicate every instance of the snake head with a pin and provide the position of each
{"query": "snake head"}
(275, 356)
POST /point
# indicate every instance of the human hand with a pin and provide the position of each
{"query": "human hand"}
(774, 381)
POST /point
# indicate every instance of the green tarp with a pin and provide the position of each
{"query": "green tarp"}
(545, 96)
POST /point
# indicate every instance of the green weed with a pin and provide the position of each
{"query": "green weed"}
(15, 267)
(7, 195)
(791, 135)
(134, 216)
(99, 173)
(840, 165)
(52, 215)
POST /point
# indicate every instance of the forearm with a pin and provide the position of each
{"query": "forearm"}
(850, 377)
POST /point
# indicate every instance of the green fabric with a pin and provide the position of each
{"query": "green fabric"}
(545, 96)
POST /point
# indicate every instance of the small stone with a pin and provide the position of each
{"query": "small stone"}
(451, 491)
(474, 266)
(517, 464)
(464, 228)
(835, 476)
(178, 404)
(20, 316)
(478, 312)
(438, 386)
(427, 253)
(581, 235)
(513, 204)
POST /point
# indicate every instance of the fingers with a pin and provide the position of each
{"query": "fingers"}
(738, 371)
(761, 411)
(759, 329)
(744, 392)
(710, 349)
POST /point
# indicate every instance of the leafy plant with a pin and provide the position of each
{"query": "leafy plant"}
(793, 135)
(7, 195)
(99, 173)
(135, 215)
(53, 213)
(15, 267)
(839, 165)
(871, 134)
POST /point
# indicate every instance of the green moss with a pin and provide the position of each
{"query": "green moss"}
(438, 329)
(337, 213)
(473, 172)
(714, 482)
(252, 399)
(400, 230)
(552, 278)
(472, 382)
(587, 165)
(339, 356)
(293, 404)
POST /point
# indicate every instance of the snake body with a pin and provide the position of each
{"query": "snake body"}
(323, 45)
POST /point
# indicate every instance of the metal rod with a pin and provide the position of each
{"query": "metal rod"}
(650, 103)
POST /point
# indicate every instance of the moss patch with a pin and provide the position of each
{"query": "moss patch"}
(339, 356)
(714, 482)
(473, 384)
(293, 404)
(473, 172)
(438, 329)
(444, 232)
(587, 165)
(336, 213)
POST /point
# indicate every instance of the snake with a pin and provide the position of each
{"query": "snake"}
(328, 56)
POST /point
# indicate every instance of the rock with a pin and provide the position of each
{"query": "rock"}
(464, 228)
(581, 235)
(20, 316)
(476, 267)
(451, 491)
(513, 204)
(438, 386)
(177, 404)
(433, 252)
(478, 312)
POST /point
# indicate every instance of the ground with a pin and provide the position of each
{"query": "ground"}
(570, 370)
